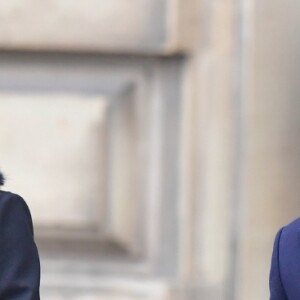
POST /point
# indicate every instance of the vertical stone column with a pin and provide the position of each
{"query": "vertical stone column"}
(210, 132)
(270, 166)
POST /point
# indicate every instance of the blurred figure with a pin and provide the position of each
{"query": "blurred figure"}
(19, 259)
(285, 268)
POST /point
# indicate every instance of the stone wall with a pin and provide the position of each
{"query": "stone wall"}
(155, 142)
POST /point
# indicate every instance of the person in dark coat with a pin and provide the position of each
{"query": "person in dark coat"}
(285, 263)
(19, 258)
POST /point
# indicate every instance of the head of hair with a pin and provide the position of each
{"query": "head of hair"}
(2, 178)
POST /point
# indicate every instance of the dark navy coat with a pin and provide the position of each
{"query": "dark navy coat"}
(285, 266)
(19, 259)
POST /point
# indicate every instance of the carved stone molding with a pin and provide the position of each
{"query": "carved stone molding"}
(144, 26)
(92, 146)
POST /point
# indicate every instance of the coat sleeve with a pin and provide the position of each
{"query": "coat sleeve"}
(19, 259)
(277, 291)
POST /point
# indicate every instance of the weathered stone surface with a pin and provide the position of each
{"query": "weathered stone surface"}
(270, 159)
(91, 25)
(58, 148)
(92, 146)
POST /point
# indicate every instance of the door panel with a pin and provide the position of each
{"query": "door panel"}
(92, 144)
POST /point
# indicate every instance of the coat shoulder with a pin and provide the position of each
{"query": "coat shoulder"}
(290, 234)
(13, 199)
(292, 226)
(287, 258)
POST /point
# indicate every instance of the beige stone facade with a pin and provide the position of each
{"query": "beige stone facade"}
(155, 141)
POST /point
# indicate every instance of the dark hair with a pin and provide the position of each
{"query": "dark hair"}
(2, 178)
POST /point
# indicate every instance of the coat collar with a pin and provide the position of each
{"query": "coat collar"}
(1, 178)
